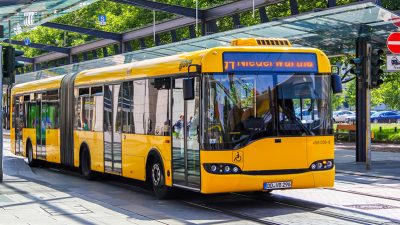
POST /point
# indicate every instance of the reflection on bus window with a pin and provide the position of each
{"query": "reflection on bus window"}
(240, 108)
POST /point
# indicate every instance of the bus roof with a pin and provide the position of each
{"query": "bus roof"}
(38, 85)
(211, 60)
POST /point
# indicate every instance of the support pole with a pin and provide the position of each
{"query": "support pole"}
(1, 114)
(363, 102)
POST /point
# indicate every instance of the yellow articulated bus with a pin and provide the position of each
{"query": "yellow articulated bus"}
(253, 116)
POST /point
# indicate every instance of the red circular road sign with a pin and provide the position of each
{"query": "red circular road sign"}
(395, 20)
(393, 42)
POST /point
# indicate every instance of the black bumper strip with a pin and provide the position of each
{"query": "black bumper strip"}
(275, 172)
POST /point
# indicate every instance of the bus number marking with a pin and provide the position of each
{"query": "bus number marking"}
(321, 142)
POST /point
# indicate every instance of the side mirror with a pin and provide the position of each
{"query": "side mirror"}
(336, 84)
(188, 89)
(188, 83)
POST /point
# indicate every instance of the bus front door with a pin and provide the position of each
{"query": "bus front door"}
(112, 129)
(185, 138)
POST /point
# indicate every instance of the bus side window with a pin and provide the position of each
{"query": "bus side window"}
(81, 112)
(158, 105)
(96, 108)
(52, 113)
(139, 95)
(31, 112)
(26, 110)
(128, 125)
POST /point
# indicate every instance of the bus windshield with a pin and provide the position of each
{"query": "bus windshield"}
(241, 108)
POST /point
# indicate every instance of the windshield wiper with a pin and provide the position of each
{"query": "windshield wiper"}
(296, 120)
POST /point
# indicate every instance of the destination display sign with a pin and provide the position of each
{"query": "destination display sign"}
(280, 62)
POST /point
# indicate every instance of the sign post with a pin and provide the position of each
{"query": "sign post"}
(1, 114)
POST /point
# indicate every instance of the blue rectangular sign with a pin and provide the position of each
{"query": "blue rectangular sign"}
(279, 62)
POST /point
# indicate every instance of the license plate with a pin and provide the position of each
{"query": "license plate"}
(277, 185)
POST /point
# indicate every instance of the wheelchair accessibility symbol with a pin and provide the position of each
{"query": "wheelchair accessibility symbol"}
(237, 157)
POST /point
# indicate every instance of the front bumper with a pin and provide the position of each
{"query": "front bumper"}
(215, 183)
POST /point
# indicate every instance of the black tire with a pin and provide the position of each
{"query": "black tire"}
(157, 180)
(262, 193)
(31, 161)
(86, 166)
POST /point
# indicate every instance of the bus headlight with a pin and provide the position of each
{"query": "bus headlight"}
(322, 165)
(329, 164)
(222, 168)
(227, 169)
(313, 166)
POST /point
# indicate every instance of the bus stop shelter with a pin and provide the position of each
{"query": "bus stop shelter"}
(333, 30)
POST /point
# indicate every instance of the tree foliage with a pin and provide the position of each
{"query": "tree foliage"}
(123, 17)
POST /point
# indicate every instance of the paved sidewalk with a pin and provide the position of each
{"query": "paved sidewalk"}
(6, 133)
(43, 196)
(46, 196)
(379, 147)
(383, 163)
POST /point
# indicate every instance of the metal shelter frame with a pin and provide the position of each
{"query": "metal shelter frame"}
(122, 41)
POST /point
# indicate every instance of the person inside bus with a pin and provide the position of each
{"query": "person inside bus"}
(177, 127)
(235, 118)
(188, 126)
(85, 125)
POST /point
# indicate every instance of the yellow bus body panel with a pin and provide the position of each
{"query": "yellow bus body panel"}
(135, 149)
(146, 68)
(53, 145)
(12, 140)
(37, 85)
(321, 147)
(94, 140)
(29, 133)
(264, 155)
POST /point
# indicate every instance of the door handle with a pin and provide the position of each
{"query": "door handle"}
(278, 140)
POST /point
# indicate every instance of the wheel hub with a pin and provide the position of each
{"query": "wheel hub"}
(156, 174)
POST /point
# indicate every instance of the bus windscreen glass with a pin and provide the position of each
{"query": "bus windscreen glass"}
(243, 107)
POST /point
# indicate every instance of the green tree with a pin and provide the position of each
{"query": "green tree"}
(389, 92)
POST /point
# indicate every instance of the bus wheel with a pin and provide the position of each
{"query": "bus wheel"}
(86, 164)
(158, 180)
(31, 162)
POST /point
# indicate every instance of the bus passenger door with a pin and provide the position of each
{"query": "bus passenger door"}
(185, 137)
(19, 118)
(41, 127)
(112, 129)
